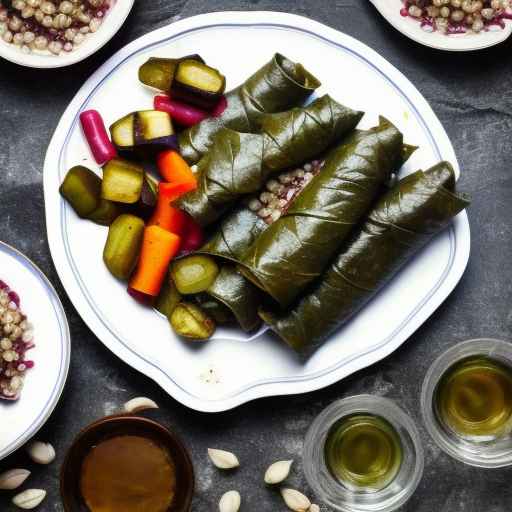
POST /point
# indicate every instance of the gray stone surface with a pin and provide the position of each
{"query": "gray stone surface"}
(472, 95)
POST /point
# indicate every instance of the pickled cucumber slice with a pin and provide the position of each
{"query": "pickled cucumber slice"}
(82, 190)
(122, 181)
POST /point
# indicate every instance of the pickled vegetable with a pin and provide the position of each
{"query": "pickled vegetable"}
(82, 190)
(158, 249)
(165, 214)
(122, 181)
(106, 212)
(159, 73)
(168, 298)
(96, 135)
(190, 321)
(192, 237)
(123, 245)
(148, 196)
(142, 298)
(146, 132)
(181, 113)
(194, 274)
(198, 84)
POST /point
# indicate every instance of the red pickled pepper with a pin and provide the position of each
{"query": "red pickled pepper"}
(184, 114)
(97, 137)
(192, 237)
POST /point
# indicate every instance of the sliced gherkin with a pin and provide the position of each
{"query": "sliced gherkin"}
(189, 321)
(159, 73)
(82, 190)
(123, 245)
(122, 181)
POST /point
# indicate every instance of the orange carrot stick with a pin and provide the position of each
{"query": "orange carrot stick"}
(174, 169)
(165, 214)
(158, 249)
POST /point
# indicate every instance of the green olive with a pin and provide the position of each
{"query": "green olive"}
(194, 274)
(190, 321)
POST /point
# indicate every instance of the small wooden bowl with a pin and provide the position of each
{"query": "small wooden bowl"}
(125, 425)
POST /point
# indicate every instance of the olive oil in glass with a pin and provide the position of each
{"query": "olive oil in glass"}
(363, 452)
(474, 398)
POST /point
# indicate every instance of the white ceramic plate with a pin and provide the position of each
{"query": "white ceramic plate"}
(235, 368)
(93, 42)
(390, 10)
(21, 419)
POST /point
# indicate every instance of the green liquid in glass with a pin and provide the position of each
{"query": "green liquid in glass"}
(474, 398)
(363, 452)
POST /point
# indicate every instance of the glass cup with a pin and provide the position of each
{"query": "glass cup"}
(481, 451)
(346, 498)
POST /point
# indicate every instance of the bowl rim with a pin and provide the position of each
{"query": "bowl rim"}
(129, 418)
(114, 20)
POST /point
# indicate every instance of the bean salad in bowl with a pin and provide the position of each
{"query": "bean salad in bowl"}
(50, 26)
(16, 338)
(458, 16)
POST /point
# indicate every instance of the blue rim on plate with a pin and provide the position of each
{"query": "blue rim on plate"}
(45, 409)
(237, 397)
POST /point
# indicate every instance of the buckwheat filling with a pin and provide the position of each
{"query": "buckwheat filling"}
(281, 191)
(16, 338)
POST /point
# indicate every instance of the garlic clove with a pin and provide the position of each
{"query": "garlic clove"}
(222, 459)
(314, 508)
(138, 404)
(29, 499)
(13, 478)
(41, 453)
(230, 502)
(278, 472)
(295, 500)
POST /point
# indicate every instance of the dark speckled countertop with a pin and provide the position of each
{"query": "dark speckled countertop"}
(471, 94)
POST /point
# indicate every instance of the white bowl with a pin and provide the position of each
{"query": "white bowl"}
(114, 20)
(390, 10)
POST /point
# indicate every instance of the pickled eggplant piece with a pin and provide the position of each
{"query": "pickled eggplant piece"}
(168, 298)
(145, 132)
(106, 212)
(81, 188)
(189, 321)
(194, 274)
(148, 196)
(122, 181)
(159, 73)
(123, 245)
(216, 309)
(198, 84)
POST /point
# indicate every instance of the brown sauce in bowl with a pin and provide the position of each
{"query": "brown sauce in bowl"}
(128, 474)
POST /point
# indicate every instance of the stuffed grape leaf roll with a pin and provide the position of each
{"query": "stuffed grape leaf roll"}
(293, 251)
(277, 86)
(239, 163)
(406, 218)
(240, 296)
